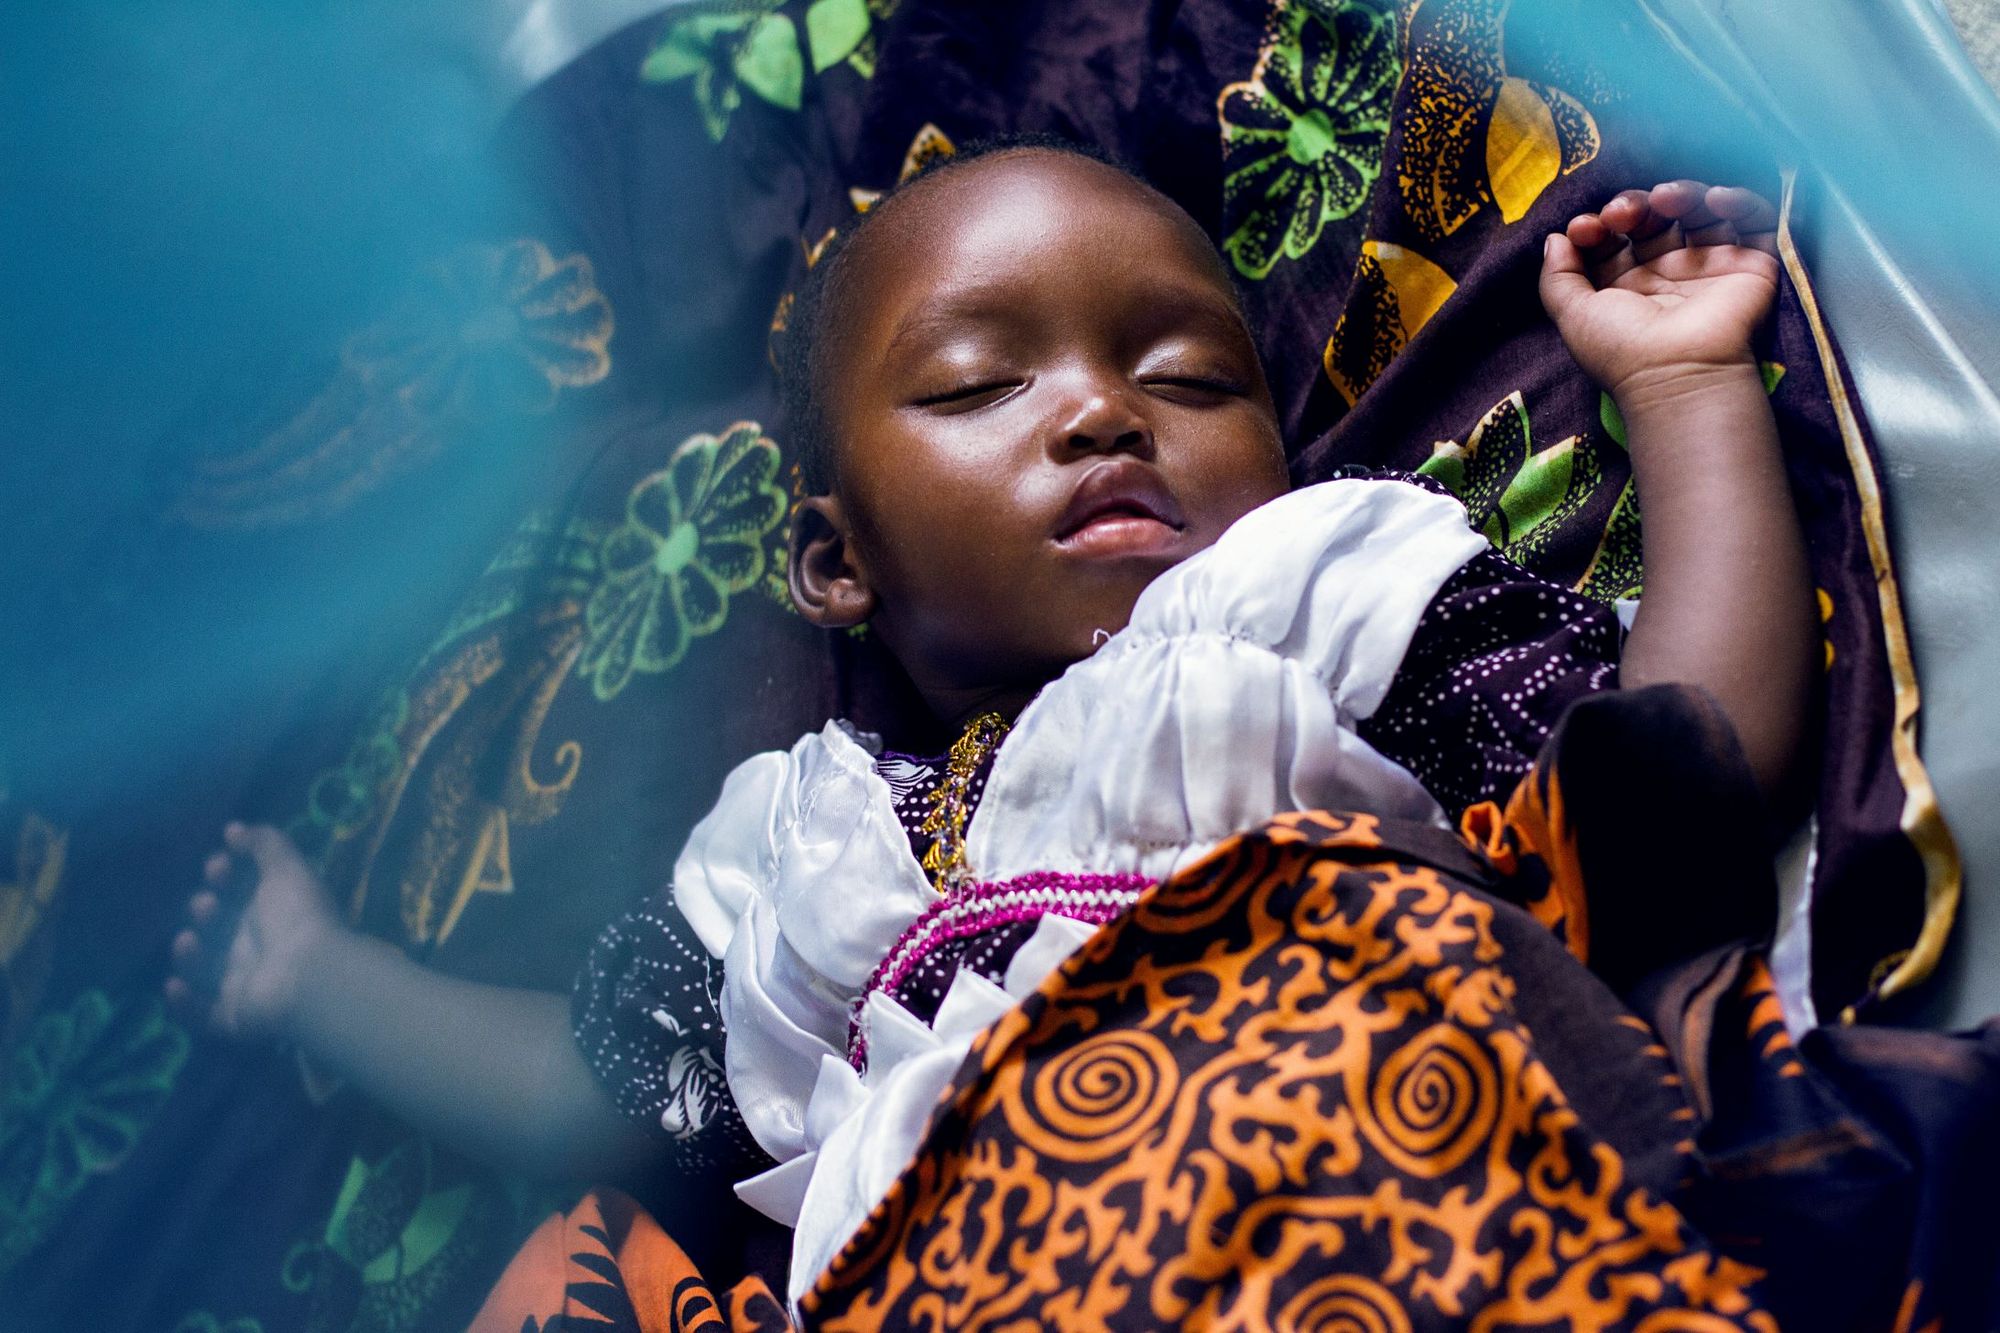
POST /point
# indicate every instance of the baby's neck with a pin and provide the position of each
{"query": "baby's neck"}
(912, 718)
(954, 710)
(923, 713)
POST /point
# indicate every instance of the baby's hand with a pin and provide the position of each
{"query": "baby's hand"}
(258, 925)
(1664, 285)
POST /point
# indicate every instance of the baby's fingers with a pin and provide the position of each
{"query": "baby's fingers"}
(1686, 202)
(1564, 281)
(1718, 215)
(1606, 256)
(1749, 210)
(1754, 218)
(199, 950)
(1636, 215)
(196, 974)
(215, 870)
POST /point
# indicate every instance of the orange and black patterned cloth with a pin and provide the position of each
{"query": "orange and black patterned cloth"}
(1352, 1073)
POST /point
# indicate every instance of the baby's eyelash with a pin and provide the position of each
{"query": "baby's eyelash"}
(965, 392)
(1210, 383)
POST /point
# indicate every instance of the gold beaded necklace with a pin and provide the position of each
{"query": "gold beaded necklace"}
(951, 805)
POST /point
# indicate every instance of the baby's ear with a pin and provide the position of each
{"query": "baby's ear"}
(829, 586)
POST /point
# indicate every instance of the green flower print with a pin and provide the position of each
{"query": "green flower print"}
(1518, 496)
(695, 534)
(1302, 137)
(729, 49)
(413, 1236)
(80, 1089)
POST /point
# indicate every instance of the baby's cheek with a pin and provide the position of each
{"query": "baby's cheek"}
(1238, 471)
(1250, 495)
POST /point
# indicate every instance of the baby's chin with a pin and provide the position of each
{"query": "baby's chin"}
(1105, 615)
(1083, 612)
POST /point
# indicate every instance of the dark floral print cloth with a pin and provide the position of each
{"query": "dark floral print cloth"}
(560, 436)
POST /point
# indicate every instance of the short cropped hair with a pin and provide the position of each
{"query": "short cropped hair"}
(818, 303)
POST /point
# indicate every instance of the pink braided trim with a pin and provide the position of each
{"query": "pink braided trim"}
(988, 905)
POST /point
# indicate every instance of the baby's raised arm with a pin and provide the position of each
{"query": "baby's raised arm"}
(1658, 297)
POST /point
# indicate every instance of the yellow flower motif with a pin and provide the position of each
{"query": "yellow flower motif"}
(928, 144)
(1471, 136)
(1394, 293)
(40, 851)
(1456, 80)
(495, 331)
(501, 327)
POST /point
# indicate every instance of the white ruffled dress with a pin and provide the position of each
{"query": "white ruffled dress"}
(1231, 696)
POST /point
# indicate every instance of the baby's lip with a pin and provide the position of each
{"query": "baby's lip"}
(1115, 487)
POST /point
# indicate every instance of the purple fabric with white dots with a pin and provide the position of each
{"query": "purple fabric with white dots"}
(1497, 657)
(645, 1018)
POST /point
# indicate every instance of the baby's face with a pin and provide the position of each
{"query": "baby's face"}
(1044, 397)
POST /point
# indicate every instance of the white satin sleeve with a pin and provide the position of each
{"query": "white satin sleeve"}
(1233, 692)
(800, 880)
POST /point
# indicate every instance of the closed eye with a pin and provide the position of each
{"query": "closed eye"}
(1198, 386)
(979, 393)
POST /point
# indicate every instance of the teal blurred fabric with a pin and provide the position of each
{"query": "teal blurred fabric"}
(1898, 140)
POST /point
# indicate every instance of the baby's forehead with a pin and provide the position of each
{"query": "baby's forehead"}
(968, 187)
(955, 198)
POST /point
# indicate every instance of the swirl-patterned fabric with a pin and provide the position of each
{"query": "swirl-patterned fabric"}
(1350, 1073)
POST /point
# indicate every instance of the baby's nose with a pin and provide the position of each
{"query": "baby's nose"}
(1105, 420)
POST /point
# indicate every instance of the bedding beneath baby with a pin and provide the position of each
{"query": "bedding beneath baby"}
(525, 771)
